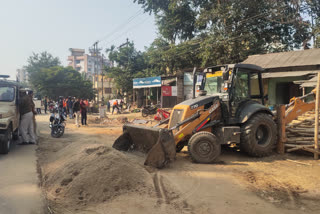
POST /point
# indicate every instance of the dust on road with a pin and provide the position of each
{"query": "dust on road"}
(81, 173)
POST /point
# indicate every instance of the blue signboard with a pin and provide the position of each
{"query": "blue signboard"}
(147, 82)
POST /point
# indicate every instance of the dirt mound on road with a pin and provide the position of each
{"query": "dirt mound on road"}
(94, 175)
(280, 193)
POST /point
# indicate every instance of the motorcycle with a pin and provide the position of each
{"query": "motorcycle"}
(149, 110)
(162, 115)
(57, 123)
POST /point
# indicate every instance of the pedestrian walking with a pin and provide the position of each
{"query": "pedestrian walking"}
(76, 111)
(83, 110)
(27, 112)
(45, 103)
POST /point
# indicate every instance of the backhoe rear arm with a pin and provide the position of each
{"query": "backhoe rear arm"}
(298, 107)
(187, 130)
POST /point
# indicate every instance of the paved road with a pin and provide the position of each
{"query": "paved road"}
(19, 191)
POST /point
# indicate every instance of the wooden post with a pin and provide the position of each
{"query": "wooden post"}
(281, 110)
(157, 96)
(316, 127)
(146, 96)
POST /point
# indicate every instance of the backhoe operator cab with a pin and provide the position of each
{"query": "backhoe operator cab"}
(232, 96)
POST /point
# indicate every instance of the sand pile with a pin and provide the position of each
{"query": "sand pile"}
(94, 175)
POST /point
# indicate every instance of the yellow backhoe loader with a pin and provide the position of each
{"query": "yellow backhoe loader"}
(229, 110)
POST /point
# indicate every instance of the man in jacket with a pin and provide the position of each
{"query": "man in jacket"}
(83, 110)
(69, 106)
(76, 111)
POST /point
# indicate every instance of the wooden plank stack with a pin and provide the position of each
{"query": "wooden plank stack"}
(300, 133)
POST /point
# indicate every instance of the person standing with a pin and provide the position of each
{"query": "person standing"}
(69, 106)
(38, 106)
(45, 103)
(108, 106)
(27, 113)
(64, 104)
(76, 110)
(86, 102)
(83, 110)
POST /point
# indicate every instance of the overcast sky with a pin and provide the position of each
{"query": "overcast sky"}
(56, 25)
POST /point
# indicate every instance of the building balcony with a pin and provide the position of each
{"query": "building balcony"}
(71, 58)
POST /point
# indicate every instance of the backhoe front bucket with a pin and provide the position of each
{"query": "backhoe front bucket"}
(158, 143)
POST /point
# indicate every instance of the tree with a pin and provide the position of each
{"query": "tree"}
(175, 19)
(129, 63)
(312, 9)
(164, 58)
(62, 81)
(227, 31)
(39, 61)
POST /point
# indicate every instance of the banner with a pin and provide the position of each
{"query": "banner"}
(174, 91)
(169, 91)
(166, 91)
(147, 82)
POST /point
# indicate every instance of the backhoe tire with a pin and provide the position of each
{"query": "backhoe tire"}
(258, 135)
(145, 113)
(203, 147)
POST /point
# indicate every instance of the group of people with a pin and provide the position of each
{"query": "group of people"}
(80, 106)
(74, 107)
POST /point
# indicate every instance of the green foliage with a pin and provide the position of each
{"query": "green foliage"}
(175, 19)
(225, 31)
(48, 78)
(130, 64)
(312, 8)
(211, 32)
(62, 81)
(39, 61)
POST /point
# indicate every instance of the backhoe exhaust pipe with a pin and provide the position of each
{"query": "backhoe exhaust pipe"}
(194, 82)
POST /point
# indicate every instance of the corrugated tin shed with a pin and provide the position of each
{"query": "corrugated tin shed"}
(310, 83)
(286, 59)
(288, 74)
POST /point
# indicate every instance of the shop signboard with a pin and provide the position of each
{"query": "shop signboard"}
(147, 82)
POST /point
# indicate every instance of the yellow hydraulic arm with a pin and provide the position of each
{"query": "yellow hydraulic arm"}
(297, 107)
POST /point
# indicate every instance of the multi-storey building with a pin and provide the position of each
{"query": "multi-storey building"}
(22, 75)
(91, 67)
(84, 63)
(105, 88)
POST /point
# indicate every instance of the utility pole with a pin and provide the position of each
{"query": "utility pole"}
(127, 44)
(102, 75)
(97, 71)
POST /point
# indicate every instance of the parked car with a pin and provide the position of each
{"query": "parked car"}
(9, 113)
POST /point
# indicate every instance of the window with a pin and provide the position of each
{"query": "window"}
(254, 85)
(213, 83)
(241, 87)
(77, 61)
(108, 90)
(6, 94)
